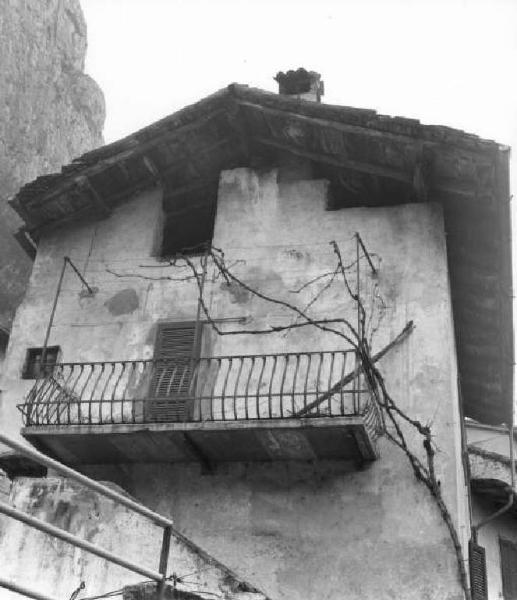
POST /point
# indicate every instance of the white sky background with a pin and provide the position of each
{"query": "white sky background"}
(447, 62)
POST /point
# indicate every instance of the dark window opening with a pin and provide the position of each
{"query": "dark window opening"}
(508, 551)
(189, 224)
(34, 368)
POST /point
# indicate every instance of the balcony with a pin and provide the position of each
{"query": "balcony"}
(297, 406)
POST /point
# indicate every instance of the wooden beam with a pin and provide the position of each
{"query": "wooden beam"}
(425, 147)
(137, 149)
(187, 157)
(351, 376)
(197, 453)
(151, 167)
(421, 182)
(340, 161)
(335, 125)
(189, 189)
(97, 198)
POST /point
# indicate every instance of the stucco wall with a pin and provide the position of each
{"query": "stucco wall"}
(295, 530)
(57, 568)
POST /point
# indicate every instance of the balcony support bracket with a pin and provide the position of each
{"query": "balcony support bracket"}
(207, 467)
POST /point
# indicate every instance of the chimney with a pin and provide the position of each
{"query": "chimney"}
(301, 83)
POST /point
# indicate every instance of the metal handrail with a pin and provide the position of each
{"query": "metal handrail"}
(63, 535)
(202, 358)
(158, 576)
(21, 589)
(50, 463)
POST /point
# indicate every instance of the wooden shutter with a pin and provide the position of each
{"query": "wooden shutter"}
(478, 582)
(508, 568)
(175, 352)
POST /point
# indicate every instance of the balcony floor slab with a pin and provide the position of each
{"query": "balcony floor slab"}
(306, 439)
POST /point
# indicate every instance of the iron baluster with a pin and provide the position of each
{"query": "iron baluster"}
(270, 394)
(236, 387)
(342, 376)
(258, 385)
(286, 362)
(216, 379)
(295, 375)
(309, 364)
(318, 375)
(246, 396)
(331, 371)
(223, 393)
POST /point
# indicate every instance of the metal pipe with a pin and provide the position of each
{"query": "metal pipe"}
(66, 260)
(42, 459)
(69, 261)
(465, 461)
(164, 557)
(63, 535)
(52, 313)
(20, 589)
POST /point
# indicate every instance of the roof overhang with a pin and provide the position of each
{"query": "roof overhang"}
(370, 160)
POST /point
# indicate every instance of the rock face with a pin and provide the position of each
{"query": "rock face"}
(50, 111)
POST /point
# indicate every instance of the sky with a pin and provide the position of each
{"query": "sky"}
(447, 62)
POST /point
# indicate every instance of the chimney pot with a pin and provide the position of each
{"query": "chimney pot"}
(300, 84)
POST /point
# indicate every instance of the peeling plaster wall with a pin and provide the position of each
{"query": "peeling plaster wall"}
(297, 531)
(56, 568)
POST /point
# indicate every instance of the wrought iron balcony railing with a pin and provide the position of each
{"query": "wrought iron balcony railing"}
(221, 388)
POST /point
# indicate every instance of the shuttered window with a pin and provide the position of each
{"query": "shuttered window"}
(478, 581)
(508, 568)
(177, 348)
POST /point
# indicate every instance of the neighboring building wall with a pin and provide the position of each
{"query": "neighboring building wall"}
(295, 530)
(504, 527)
(489, 456)
(50, 112)
(489, 438)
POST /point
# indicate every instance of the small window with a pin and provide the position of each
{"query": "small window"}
(188, 224)
(508, 551)
(33, 368)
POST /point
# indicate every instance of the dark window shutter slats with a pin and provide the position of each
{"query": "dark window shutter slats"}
(508, 551)
(478, 581)
(176, 346)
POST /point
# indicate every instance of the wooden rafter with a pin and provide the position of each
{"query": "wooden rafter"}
(339, 161)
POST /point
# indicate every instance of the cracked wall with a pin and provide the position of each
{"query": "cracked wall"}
(296, 530)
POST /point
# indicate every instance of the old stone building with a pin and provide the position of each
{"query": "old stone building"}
(265, 317)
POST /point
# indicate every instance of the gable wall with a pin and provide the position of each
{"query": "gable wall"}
(294, 530)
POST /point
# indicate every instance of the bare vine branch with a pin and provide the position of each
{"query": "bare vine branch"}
(424, 469)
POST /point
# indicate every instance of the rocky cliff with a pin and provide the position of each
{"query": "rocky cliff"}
(50, 111)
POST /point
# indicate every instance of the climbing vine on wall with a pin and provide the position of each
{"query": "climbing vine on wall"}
(357, 332)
